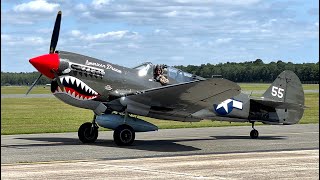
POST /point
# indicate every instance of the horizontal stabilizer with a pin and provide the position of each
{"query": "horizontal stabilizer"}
(279, 104)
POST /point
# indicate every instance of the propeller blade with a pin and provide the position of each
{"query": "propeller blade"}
(55, 33)
(33, 84)
(58, 80)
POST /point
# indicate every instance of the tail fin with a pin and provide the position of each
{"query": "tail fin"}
(287, 88)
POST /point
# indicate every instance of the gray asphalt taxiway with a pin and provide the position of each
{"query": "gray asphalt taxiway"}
(220, 153)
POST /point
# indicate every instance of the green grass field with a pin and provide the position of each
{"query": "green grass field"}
(43, 115)
(24, 89)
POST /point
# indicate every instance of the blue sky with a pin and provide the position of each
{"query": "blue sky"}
(175, 32)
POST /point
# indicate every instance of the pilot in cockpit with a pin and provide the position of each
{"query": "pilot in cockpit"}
(158, 75)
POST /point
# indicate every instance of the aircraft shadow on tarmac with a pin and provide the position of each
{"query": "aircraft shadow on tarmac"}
(247, 137)
(168, 145)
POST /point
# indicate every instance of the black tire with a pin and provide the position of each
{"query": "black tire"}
(123, 135)
(86, 134)
(254, 134)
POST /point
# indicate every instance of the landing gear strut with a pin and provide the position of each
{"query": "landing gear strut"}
(254, 133)
(88, 132)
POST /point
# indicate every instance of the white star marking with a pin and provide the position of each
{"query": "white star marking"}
(224, 104)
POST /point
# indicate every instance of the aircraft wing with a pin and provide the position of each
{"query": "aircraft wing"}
(183, 99)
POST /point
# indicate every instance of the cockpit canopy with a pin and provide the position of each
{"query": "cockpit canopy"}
(178, 75)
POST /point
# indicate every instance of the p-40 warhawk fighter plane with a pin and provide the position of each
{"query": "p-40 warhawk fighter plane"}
(114, 93)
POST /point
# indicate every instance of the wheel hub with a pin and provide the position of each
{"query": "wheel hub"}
(88, 133)
(126, 135)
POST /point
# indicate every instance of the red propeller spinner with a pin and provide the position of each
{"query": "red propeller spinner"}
(46, 63)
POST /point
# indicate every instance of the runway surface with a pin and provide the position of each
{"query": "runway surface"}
(167, 142)
(290, 152)
(263, 165)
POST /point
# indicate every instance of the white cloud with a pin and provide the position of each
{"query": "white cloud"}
(171, 14)
(36, 6)
(76, 33)
(81, 7)
(191, 14)
(35, 41)
(237, 2)
(223, 40)
(133, 45)
(100, 3)
(112, 35)
(269, 23)
(10, 40)
(45, 30)
(5, 37)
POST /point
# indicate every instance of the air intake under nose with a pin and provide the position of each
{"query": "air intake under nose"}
(46, 63)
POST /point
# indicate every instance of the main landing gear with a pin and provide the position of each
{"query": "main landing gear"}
(254, 134)
(123, 135)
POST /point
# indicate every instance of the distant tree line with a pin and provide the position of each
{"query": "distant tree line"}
(255, 71)
(22, 78)
(250, 71)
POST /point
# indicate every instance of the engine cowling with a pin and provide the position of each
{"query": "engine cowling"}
(112, 121)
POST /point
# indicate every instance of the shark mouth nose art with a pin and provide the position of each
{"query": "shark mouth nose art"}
(76, 88)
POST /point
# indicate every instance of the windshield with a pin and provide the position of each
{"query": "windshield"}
(144, 68)
(141, 66)
(179, 75)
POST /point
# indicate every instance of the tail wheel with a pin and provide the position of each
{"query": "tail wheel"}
(123, 135)
(254, 134)
(88, 133)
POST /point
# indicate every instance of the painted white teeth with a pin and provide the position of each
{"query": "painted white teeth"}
(72, 79)
(67, 79)
(78, 82)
